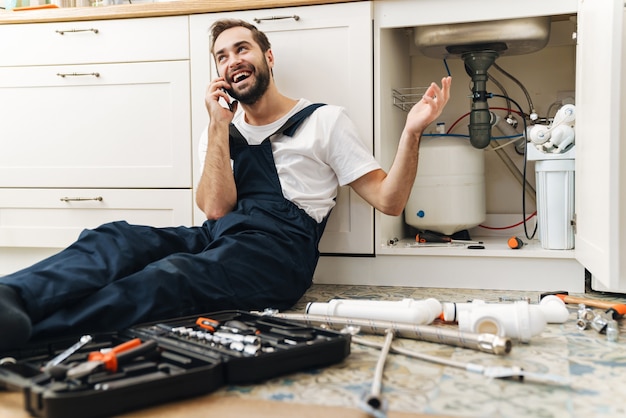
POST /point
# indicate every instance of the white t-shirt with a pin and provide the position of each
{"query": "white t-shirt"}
(325, 152)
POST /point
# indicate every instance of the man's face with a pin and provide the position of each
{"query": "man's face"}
(242, 63)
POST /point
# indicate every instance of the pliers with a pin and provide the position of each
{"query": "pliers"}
(110, 360)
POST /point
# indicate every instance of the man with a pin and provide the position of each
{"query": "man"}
(271, 168)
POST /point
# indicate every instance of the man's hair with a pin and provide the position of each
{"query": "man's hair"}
(221, 25)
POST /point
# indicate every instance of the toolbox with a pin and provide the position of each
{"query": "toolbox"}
(110, 373)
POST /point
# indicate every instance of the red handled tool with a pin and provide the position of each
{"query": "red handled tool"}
(207, 323)
(110, 360)
(515, 243)
(426, 236)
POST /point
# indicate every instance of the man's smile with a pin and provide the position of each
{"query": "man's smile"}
(241, 76)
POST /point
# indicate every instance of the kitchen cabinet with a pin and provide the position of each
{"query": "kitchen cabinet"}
(601, 127)
(325, 53)
(96, 127)
(322, 53)
(593, 67)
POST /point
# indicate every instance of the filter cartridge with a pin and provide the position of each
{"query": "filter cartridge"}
(554, 175)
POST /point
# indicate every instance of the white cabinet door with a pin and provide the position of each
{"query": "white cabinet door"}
(600, 138)
(36, 223)
(322, 53)
(99, 125)
(53, 218)
(95, 41)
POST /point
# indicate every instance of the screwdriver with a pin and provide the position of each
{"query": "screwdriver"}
(427, 236)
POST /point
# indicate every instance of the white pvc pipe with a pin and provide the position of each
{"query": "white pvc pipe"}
(410, 311)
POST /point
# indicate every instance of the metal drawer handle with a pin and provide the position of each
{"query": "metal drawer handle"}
(63, 32)
(81, 199)
(77, 74)
(260, 19)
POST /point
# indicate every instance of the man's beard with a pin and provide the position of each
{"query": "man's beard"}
(251, 95)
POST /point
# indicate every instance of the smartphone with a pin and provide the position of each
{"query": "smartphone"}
(228, 102)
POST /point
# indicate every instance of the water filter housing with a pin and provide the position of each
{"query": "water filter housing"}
(449, 191)
(554, 176)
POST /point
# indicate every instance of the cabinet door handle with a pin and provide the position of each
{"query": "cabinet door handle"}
(81, 199)
(63, 75)
(63, 32)
(260, 19)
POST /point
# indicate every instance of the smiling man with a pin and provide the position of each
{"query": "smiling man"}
(271, 168)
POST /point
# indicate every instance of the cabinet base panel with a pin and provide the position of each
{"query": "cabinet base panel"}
(598, 286)
(498, 273)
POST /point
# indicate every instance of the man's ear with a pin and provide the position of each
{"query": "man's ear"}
(269, 57)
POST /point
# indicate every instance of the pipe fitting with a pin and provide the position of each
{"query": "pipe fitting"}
(517, 320)
(584, 317)
(599, 323)
(553, 308)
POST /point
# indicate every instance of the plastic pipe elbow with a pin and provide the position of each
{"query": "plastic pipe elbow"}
(554, 309)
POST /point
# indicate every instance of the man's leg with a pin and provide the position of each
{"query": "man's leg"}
(236, 272)
(96, 259)
(15, 325)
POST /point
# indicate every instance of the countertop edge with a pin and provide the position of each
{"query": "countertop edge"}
(128, 11)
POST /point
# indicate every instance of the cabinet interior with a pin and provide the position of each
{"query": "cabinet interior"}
(548, 76)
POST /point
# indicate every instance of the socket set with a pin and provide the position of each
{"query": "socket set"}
(108, 374)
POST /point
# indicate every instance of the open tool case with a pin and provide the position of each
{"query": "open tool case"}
(172, 359)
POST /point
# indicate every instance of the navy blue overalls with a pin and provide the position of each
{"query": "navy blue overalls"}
(262, 254)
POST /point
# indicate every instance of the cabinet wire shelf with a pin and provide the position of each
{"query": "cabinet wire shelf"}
(405, 98)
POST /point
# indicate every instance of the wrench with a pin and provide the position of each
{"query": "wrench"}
(67, 353)
(373, 403)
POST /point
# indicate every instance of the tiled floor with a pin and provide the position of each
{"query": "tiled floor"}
(593, 368)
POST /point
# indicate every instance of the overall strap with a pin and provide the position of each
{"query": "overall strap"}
(236, 138)
(289, 128)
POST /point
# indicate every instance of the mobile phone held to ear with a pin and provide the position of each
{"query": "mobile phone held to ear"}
(229, 103)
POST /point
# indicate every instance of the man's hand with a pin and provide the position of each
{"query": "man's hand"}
(389, 192)
(427, 110)
(215, 92)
